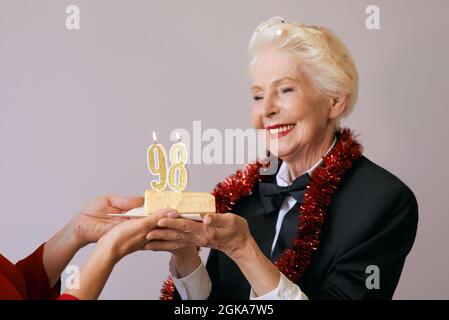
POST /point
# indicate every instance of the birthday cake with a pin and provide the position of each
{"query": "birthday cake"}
(192, 205)
(182, 202)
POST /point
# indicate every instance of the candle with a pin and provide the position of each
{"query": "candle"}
(177, 174)
(157, 164)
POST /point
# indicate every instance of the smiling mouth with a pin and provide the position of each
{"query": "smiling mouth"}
(280, 130)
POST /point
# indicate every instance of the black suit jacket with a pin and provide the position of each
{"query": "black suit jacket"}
(372, 221)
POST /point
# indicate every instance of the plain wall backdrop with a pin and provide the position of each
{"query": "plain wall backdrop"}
(77, 109)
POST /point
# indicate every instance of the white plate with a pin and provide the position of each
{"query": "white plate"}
(140, 213)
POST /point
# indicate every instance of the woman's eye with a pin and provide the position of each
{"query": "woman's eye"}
(285, 90)
(257, 98)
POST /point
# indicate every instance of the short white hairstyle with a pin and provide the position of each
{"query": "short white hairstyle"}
(318, 49)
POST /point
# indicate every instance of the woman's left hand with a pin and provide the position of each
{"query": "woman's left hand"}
(93, 221)
(227, 232)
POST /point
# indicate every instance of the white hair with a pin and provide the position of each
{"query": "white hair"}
(318, 49)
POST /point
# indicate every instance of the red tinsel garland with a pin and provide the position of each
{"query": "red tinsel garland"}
(318, 196)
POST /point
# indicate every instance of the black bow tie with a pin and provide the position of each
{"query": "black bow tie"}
(273, 195)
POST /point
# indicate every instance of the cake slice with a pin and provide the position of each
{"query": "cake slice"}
(183, 202)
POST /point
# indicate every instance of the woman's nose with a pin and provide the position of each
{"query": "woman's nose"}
(270, 107)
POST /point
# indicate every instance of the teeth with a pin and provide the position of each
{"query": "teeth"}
(281, 129)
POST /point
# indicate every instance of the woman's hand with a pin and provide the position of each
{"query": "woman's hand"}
(228, 233)
(225, 232)
(184, 259)
(130, 235)
(120, 241)
(86, 227)
(93, 221)
(116, 238)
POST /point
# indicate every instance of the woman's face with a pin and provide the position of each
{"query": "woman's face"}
(288, 104)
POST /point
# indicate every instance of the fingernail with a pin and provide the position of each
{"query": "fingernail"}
(172, 214)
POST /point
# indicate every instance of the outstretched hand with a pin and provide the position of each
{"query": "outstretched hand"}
(93, 221)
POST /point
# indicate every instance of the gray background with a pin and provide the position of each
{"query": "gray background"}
(77, 109)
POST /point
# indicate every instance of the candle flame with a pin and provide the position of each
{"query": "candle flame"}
(178, 137)
(154, 137)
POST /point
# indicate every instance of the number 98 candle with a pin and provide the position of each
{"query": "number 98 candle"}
(176, 177)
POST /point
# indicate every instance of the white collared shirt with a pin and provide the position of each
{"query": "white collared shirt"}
(198, 286)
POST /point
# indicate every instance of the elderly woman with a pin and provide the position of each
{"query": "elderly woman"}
(38, 275)
(330, 224)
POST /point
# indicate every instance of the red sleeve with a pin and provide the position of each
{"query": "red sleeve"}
(35, 276)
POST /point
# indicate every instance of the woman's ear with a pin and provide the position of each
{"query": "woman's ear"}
(337, 104)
